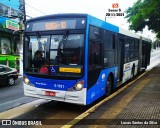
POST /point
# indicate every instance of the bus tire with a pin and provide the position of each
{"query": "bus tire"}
(108, 87)
(11, 81)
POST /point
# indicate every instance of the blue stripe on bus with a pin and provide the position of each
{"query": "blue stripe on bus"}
(53, 84)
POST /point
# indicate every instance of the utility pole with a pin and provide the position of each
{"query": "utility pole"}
(22, 17)
(23, 11)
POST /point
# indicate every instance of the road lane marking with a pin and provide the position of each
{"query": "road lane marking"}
(86, 113)
(12, 101)
(12, 113)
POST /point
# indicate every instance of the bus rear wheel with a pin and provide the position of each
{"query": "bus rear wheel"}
(108, 87)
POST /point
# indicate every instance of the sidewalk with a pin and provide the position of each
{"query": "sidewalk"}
(137, 106)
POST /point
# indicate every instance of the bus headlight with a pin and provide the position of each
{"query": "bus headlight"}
(26, 81)
(77, 87)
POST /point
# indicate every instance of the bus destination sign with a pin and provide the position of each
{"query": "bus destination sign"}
(56, 24)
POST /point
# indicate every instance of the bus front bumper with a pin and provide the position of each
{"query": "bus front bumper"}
(76, 97)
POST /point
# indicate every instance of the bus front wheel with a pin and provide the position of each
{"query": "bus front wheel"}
(108, 87)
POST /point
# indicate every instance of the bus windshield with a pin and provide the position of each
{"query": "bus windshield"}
(60, 55)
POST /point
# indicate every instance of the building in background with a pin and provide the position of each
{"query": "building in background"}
(9, 22)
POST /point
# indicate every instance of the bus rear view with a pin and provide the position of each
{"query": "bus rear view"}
(54, 58)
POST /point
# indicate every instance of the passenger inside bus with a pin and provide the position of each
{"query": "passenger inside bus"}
(44, 68)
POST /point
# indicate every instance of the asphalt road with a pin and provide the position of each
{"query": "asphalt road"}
(13, 96)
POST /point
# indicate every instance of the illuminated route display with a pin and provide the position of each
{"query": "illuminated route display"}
(78, 23)
(59, 25)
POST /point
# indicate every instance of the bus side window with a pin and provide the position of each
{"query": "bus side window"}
(94, 54)
(95, 47)
(109, 49)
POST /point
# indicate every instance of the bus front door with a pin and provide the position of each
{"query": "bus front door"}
(121, 59)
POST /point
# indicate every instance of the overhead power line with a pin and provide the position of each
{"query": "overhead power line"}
(35, 8)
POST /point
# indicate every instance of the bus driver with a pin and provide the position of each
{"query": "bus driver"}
(38, 59)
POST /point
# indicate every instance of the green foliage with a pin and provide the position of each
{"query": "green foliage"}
(144, 13)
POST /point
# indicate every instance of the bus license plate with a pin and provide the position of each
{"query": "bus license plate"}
(48, 93)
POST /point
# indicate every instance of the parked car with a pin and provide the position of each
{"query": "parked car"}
(8, 75)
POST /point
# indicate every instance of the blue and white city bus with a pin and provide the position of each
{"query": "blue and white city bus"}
(86, 58)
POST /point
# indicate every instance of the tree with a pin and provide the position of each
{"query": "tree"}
(144, 13)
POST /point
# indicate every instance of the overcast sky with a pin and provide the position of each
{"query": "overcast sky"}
(97, 8)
